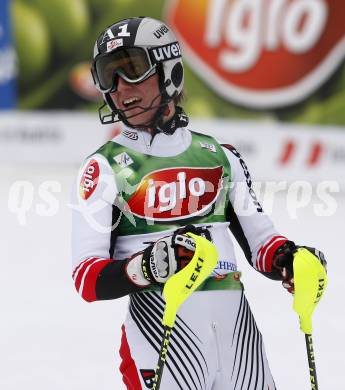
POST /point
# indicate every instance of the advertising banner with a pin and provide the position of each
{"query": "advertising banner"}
(264, 53)
(281, 60)
(7, 59)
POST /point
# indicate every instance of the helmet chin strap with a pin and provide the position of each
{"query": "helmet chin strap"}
(179, 119)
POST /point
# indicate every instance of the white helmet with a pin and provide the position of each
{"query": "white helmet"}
(135, 49)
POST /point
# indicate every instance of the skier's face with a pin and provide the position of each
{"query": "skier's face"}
(129, 95)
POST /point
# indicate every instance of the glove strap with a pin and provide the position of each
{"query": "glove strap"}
(145, 264)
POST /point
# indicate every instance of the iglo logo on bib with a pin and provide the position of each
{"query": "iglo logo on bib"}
(176, 193)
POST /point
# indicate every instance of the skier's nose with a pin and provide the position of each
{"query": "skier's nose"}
(122, 84)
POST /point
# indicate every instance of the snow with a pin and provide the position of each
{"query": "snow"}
(51, 339)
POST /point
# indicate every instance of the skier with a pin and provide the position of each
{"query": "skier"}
(139, 194)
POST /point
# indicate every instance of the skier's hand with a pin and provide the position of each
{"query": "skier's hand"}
(283, 262)
(167, 256)
(160, 260)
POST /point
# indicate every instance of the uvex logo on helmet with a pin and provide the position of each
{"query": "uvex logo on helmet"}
(262, 53)
(176, 193)
(166, 52)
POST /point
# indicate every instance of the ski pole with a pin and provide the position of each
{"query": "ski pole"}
(311, 361)
(162, 357)
(310, 281)
(179, 287)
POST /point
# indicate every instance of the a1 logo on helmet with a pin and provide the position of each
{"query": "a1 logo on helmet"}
(110, 34)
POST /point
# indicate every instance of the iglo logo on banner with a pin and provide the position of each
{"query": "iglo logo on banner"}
(262, 53)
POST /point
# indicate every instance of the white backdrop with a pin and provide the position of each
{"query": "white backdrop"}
(274, 151)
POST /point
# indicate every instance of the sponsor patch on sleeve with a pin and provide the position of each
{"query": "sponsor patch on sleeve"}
(89, 179)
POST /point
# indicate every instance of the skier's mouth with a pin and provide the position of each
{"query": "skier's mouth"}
(131, 102)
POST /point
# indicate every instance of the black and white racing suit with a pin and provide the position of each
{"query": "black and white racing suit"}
(136, 189)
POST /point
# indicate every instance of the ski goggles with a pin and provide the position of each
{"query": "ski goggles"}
(132, 64)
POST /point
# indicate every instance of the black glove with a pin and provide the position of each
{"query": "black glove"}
(166, 257)
(202, 231)
(160, 260)
(283, 262)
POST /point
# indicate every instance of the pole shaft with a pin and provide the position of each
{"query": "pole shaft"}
(311, 361)
(162, 357)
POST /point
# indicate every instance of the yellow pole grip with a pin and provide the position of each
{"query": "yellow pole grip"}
(310, 281)
(181, 285)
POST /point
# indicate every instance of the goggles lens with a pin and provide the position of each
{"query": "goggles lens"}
(132, 64)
